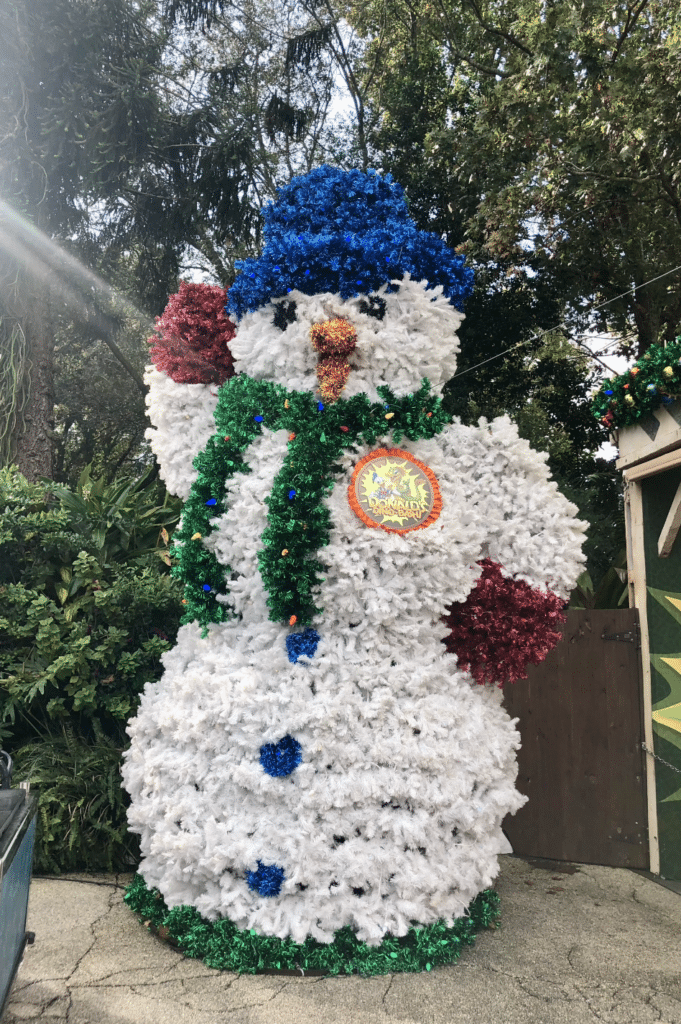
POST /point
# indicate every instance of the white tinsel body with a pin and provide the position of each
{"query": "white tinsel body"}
(408, 768)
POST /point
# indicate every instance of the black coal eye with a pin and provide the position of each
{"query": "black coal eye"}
(374, 306)
(284, 314)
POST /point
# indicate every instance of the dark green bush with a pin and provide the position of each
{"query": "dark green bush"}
(81, 820)
(87, 607)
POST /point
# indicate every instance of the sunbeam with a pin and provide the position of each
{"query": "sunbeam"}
(75, 284)
(81, 290)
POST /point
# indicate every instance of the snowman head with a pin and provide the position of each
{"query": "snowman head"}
(348, 294)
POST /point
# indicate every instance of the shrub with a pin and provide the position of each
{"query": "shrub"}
(87, 607)
(81, 816)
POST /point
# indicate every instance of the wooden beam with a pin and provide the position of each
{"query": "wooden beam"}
(671, 526)
(638, 598)
(667, 461)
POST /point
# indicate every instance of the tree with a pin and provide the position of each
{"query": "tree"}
(549, 133)
(143, 149)
(542, 140)
(100, 416)
(79, 113)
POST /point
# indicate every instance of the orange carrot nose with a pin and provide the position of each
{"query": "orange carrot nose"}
(335, 337)
(334, 340)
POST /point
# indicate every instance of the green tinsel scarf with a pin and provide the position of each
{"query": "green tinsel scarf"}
(297, 520)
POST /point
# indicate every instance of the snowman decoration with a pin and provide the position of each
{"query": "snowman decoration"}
(314, 755)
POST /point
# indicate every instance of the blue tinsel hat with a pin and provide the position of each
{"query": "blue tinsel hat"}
(343, 232)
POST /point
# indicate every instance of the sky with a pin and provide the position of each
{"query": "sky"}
(603, 345)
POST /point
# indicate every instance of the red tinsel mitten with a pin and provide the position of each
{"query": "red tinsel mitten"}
(195, 331)
(503, 626)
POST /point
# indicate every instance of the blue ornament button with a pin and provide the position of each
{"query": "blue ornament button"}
(267, 880)
(282, 758)
(304, 643)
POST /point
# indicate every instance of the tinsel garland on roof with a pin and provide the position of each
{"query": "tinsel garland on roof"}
(653, 381)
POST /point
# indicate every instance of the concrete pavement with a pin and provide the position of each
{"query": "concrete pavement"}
(578, 944)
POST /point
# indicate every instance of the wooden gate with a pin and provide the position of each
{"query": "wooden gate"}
(581, 763)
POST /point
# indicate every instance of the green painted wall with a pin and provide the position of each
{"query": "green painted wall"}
(663, 579)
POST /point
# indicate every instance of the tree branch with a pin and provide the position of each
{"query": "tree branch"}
(206, 247)
(125, 362)
(493, 72)
(632, 18)
(497, 31)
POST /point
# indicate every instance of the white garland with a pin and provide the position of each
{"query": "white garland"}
(403, 759)
(182, 422)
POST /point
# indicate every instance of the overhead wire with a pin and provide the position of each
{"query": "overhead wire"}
(564, 323)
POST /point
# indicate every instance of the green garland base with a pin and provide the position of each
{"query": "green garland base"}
(223, 946)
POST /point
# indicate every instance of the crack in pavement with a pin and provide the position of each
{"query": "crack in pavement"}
(102, 983)
(48, 1001)
(77, 881)
(385, 994)
(69, 1006)
(92, 945)
(36, 981)
(624, 998)
(191, 1004)
(604, 997)
(94, 982)
(522, 983)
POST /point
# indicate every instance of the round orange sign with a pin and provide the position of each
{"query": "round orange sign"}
(394, 491)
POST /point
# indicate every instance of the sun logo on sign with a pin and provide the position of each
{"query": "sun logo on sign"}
(391, 486)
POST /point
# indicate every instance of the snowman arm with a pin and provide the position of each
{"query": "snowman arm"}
(531, 553)
(182, 422)
(529, 527)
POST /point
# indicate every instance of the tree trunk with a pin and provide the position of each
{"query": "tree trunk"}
(34, 452)
(647, 309)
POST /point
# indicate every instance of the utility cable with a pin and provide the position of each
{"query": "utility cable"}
(563, 323)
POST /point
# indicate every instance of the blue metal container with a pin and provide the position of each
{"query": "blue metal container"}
(17, 832)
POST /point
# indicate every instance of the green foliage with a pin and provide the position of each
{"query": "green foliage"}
(87, 607)
(122, 520)
(99, 414)
(143, 151)
(13, 395)
(597, 493)
(610, 592)
(542, 141)
(81, 818)
(542, 136)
